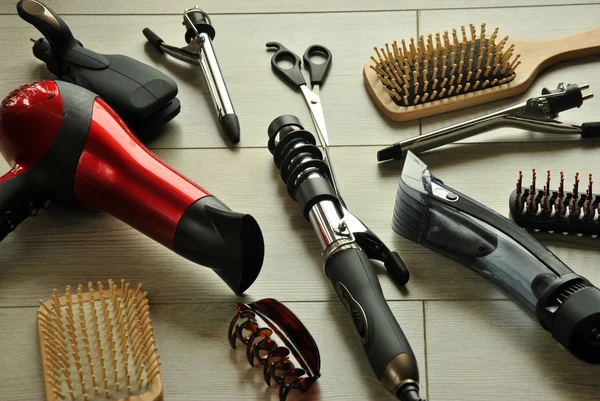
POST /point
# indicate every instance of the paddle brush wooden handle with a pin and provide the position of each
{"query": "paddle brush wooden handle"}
(539, 55)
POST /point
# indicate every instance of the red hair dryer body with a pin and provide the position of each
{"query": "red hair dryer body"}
(67, 146)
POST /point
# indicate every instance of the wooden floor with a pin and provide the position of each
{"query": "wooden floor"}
(472, 342)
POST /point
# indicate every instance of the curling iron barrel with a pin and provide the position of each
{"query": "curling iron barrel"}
(67, 146)
(199, 51)
(346, 264)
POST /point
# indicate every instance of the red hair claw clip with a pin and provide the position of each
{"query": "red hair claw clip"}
(276, 338)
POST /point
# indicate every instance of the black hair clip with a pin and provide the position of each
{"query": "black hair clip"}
(276, 338)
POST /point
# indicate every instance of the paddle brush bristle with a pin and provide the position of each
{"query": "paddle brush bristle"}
(99, 345)
(443, 66)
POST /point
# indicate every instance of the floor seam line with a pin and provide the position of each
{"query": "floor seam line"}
(158, 14)
(425, 348)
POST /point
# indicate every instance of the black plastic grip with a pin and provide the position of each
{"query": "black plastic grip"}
(318, 71)
(200, 22)
(571, 98)
(391, 152)
(14, 195)
(153, 38)
(353, 277)
(293, 76)
(590, 130)
(47, 22)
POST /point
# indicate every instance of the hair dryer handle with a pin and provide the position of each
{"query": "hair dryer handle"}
(18, 200)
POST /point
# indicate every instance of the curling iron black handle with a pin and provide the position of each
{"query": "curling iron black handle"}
(48, 23)
(353, 277)
(153, 39)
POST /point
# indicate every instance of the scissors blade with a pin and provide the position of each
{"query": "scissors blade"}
(316, 110)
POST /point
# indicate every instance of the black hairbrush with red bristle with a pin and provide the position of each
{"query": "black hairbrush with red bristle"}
(542, 209)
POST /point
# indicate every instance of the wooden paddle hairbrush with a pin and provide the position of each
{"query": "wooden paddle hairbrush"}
(447, 72)
(99, 345)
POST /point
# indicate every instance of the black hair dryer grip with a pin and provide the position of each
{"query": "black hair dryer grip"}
(19, 200)
(293, 75)
(48, 23)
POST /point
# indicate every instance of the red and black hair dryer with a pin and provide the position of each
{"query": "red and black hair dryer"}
(67, 146)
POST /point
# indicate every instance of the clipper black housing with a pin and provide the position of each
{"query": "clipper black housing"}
(441, 218)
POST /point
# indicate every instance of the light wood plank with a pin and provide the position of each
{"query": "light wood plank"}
(198, 363)
(36, 257)
(96, 246)
(495, 350)
(524, 24)
(257, 93)
(267, 6)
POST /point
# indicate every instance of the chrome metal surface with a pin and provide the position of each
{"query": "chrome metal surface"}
(326, 221)
(214, 78)
(534, 115)
(509, 117)
(456, 132)
(316, 110)
(190, 53)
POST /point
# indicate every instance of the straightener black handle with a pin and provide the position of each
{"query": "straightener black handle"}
(353, 277)
(590, 130)
(48, 23)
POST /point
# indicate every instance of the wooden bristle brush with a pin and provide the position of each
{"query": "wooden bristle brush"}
(450, 71)
(99, 345)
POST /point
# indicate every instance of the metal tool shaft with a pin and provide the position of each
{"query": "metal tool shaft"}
(466, 129)
(328, 224)
(214, 78)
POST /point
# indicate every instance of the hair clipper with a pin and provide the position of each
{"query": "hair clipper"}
(433, 214)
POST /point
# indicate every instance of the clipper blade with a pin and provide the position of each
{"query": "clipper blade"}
(276, 338)
(544, 209)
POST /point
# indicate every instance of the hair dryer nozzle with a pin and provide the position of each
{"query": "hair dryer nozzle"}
(232, 243)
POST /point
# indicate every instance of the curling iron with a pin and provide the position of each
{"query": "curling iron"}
(142, 95)
(66, 146)
(536, 114)
(433, 214)
(348, 245)
(199, 51)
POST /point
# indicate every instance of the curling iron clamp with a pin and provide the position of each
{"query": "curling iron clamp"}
(536, 114)
(199, 51)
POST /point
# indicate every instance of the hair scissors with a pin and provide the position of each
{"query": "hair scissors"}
(293, 76)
